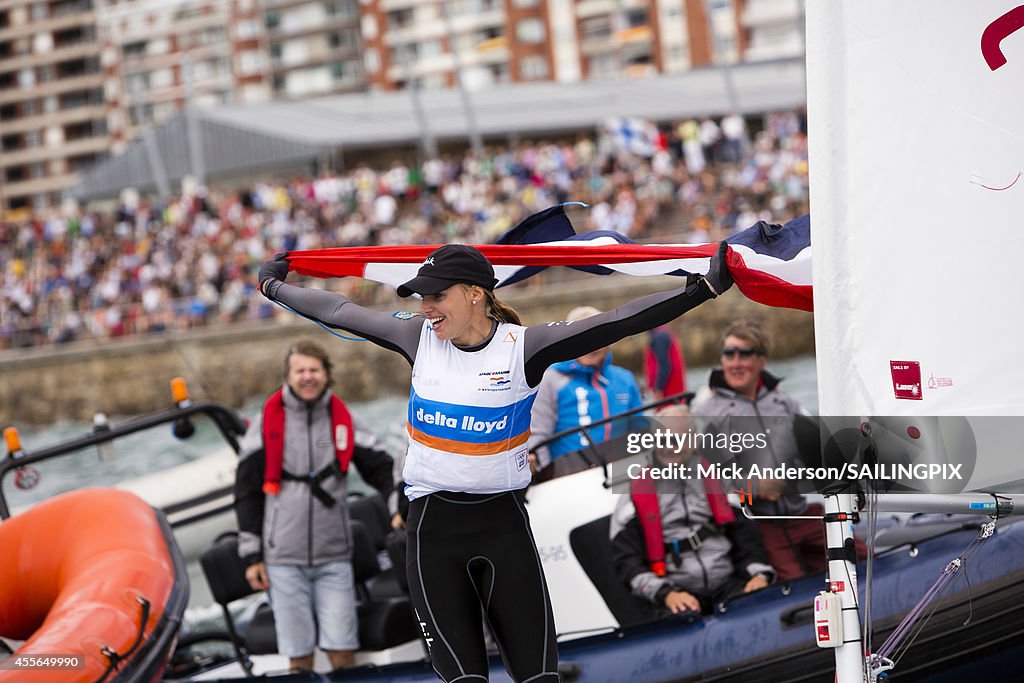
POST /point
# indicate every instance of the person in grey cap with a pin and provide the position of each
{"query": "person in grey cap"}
(475, 373)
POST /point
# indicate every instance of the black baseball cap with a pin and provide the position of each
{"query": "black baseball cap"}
(449, 265)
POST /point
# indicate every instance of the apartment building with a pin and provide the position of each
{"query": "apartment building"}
(774, 28)
(157, 54)
(79, 78)
(53, 115)
(499, 41)
(315, 48)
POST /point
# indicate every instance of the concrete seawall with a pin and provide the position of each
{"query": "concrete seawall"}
(233, 363)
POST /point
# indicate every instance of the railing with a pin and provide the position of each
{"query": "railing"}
(593, 455)
(230, 425)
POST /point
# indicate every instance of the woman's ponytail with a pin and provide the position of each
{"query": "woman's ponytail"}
(500, 311)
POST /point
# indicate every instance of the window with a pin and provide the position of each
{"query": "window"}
(10, 142)
(81, 98)
(431, 48)
(211, 36)
(400, 18)
(339, 8)
(137, 82)
(250, 62)
(134, 49)
(530, 31)
(371, 58)
(16, 174)
(246, 28)
(595, 28)
(533, 68)
(161, 78)
(636, 17)
(85, 129)
(82, 162)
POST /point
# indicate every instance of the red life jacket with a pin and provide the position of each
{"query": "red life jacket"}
(645, 500)
(273, 438)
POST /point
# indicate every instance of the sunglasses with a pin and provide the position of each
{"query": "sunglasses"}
(731, 351)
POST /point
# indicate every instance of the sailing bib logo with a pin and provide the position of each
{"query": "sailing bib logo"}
(906, 379)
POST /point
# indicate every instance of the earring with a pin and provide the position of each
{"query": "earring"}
(476, 301)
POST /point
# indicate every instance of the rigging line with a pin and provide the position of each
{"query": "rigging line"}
(899, 641)
(196, 376)
(329, 330)
(872, 499)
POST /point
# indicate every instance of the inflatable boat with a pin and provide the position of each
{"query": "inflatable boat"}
(94, 586)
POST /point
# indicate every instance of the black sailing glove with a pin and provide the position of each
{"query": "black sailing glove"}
(274, 269)
(719, 279)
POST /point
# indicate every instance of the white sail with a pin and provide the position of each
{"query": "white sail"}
(917, 197)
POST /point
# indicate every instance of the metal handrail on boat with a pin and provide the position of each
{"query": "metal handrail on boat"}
(230, 425)
(589, 454)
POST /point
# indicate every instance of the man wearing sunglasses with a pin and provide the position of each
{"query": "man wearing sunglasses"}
(745, 399)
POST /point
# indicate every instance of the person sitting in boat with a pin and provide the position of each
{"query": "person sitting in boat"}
(745, 398)
(290, 501)
(578, 392)
(677, 542)
(475, 372)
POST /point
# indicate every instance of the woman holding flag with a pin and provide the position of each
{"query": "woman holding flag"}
(475, 372)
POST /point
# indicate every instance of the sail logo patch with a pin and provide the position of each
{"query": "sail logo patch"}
(906, 379)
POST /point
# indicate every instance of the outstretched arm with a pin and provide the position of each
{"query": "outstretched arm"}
(339, 312)
(557, 341)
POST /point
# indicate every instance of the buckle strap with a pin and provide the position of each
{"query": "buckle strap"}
(314, 479)
(693, 542)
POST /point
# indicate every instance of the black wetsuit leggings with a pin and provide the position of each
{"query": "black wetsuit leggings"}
(471, 550)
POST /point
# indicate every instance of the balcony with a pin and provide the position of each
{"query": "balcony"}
(75, 51)
(34, 186)
(67, 149)
(52, 88)
(595, 8)
(85, 18)
(314, 58)
(59, 118)
(762, 12)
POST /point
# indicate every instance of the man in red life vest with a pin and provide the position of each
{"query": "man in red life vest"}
(290, 501)
(677, 542)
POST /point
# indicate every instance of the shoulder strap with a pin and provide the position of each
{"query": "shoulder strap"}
(717, 500)
(645, 500)
(273, 442)
(342, 432)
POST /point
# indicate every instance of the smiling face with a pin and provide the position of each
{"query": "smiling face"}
(742, 365)
(458, 314)
(307, 376)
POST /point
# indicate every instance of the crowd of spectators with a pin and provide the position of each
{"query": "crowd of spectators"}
(190, 261)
